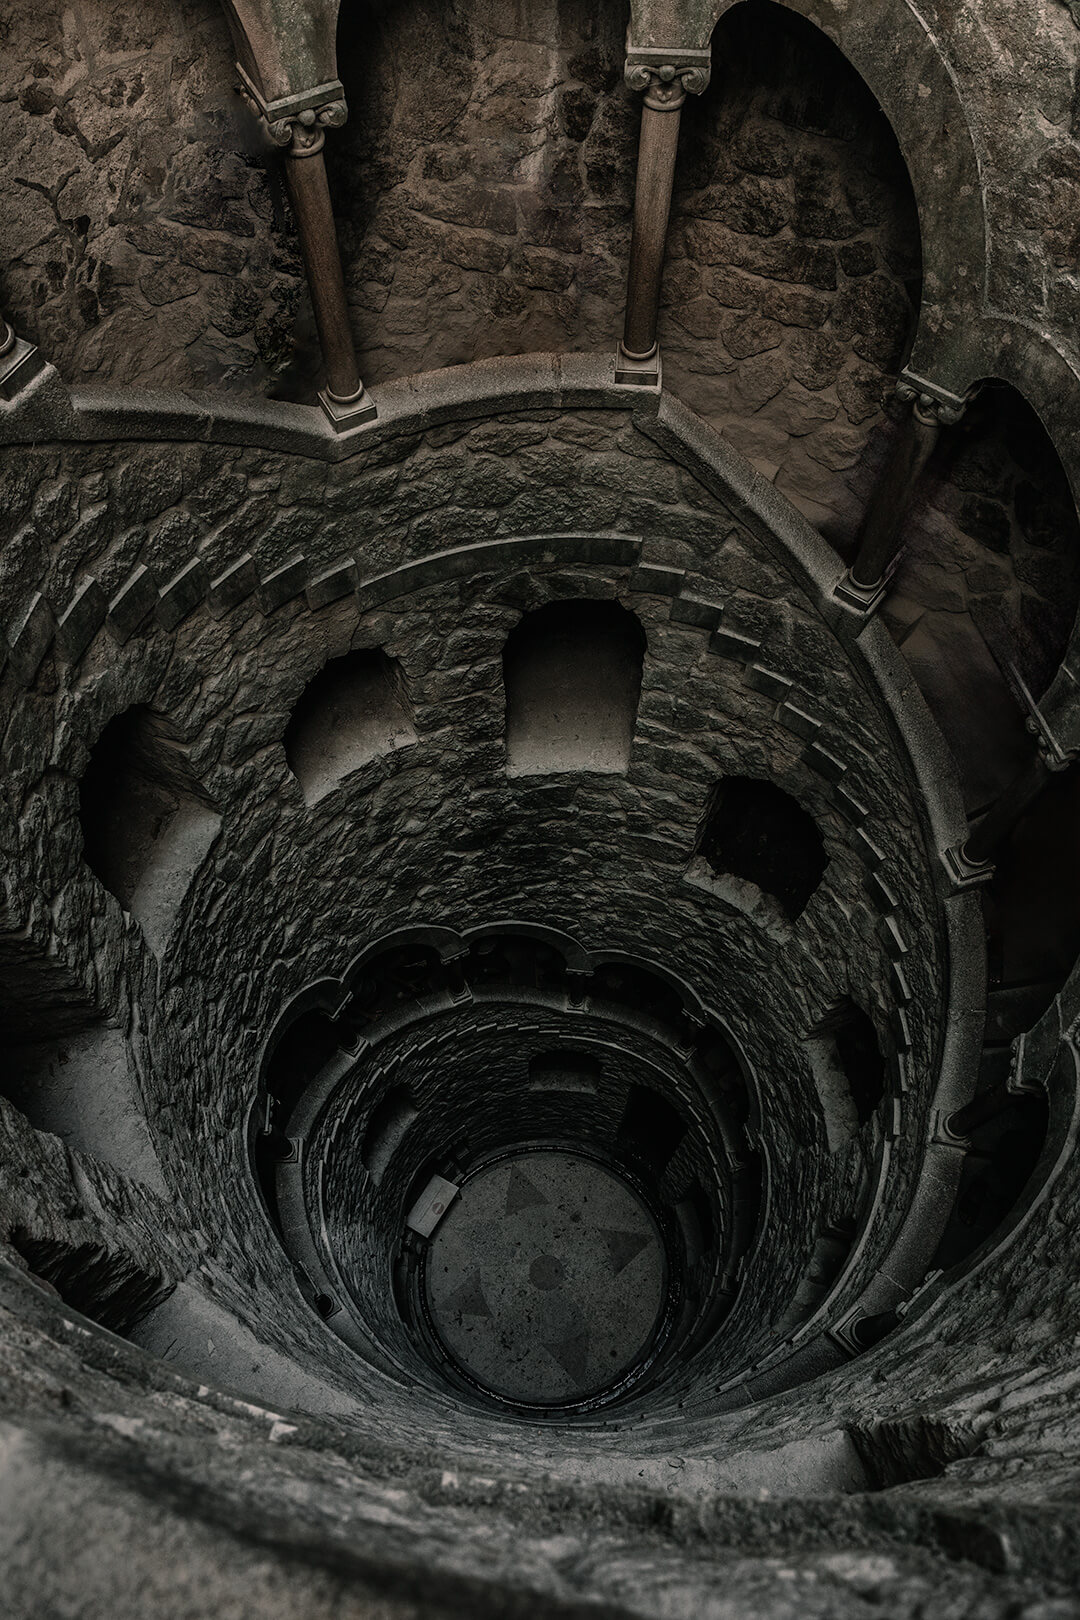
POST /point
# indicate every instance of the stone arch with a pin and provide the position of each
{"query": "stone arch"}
(896, 54)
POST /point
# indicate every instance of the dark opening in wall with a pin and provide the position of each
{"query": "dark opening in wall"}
(1032, 908)
(146, 824)
(563, 1071)
(302, 1050)
(861, 1058)
(572, 672)
(996, 500)
(794, 256)
(849, 1071)
(695, 1216)
(104, 1284)
(651, 1128)
(355, 709)
(515, 959)
(629, 985)
(858, 1053)
(386, 1129)
(757, 833)
(1006, 1143)
(390, 979)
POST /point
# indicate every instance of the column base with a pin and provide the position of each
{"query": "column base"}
(965, 874)
(638, 371)
(348, 413)
(862, 599)
(943, 1134)
(20, 363)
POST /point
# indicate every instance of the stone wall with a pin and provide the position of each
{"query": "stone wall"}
(742, 675)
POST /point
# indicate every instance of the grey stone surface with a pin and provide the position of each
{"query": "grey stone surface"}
(483, 188)
(546, 1279)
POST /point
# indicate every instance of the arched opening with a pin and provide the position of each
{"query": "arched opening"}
(444, 193)
(145, 821)
(794, 265)
(651, 1128)
(988, 584)
(387, 1126)
(104, 1283)
(572, 672)
(849, 1071)
(355, 709)
(758, 835)
(1032, 912)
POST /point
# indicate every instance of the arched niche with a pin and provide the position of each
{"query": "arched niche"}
(986, 591)
(757, 842)
(572, 672)
(794, 257)
(354, 709)
(146, 822)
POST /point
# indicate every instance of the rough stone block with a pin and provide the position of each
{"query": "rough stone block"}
(798, 721)
(232, 586)
(657, 579)
(183, 593)
(29, 637)
(729, 644)
(335, 583)
(82, 621)
(283, 584)
(825, 763)
(695, 610)
(135, 600)
(768, 682)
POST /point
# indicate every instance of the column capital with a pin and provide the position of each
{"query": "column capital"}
(930, 401)
(298, 122)
(667, 75)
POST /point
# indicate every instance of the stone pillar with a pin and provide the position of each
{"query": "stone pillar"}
(881, 533)
(299, 125)
(972, 861)
(666, 78)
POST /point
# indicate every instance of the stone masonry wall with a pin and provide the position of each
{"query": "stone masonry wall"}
(437, 832)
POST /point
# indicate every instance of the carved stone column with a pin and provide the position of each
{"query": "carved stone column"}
(881, 533)
(299, 125)
(972, 861)
(666, 79)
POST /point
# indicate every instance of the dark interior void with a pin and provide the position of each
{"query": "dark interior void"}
(859, 1056)
(996, 502)
(126, 800)
(455, 1073)
(757, 832)
(147, 823)
(777, 77)
(354, 709)
(1007, 1133)
(1014, 501)
(104, 1284)
(650, 1129)
(572, 673)
(386, 1128)
(1032, 910)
